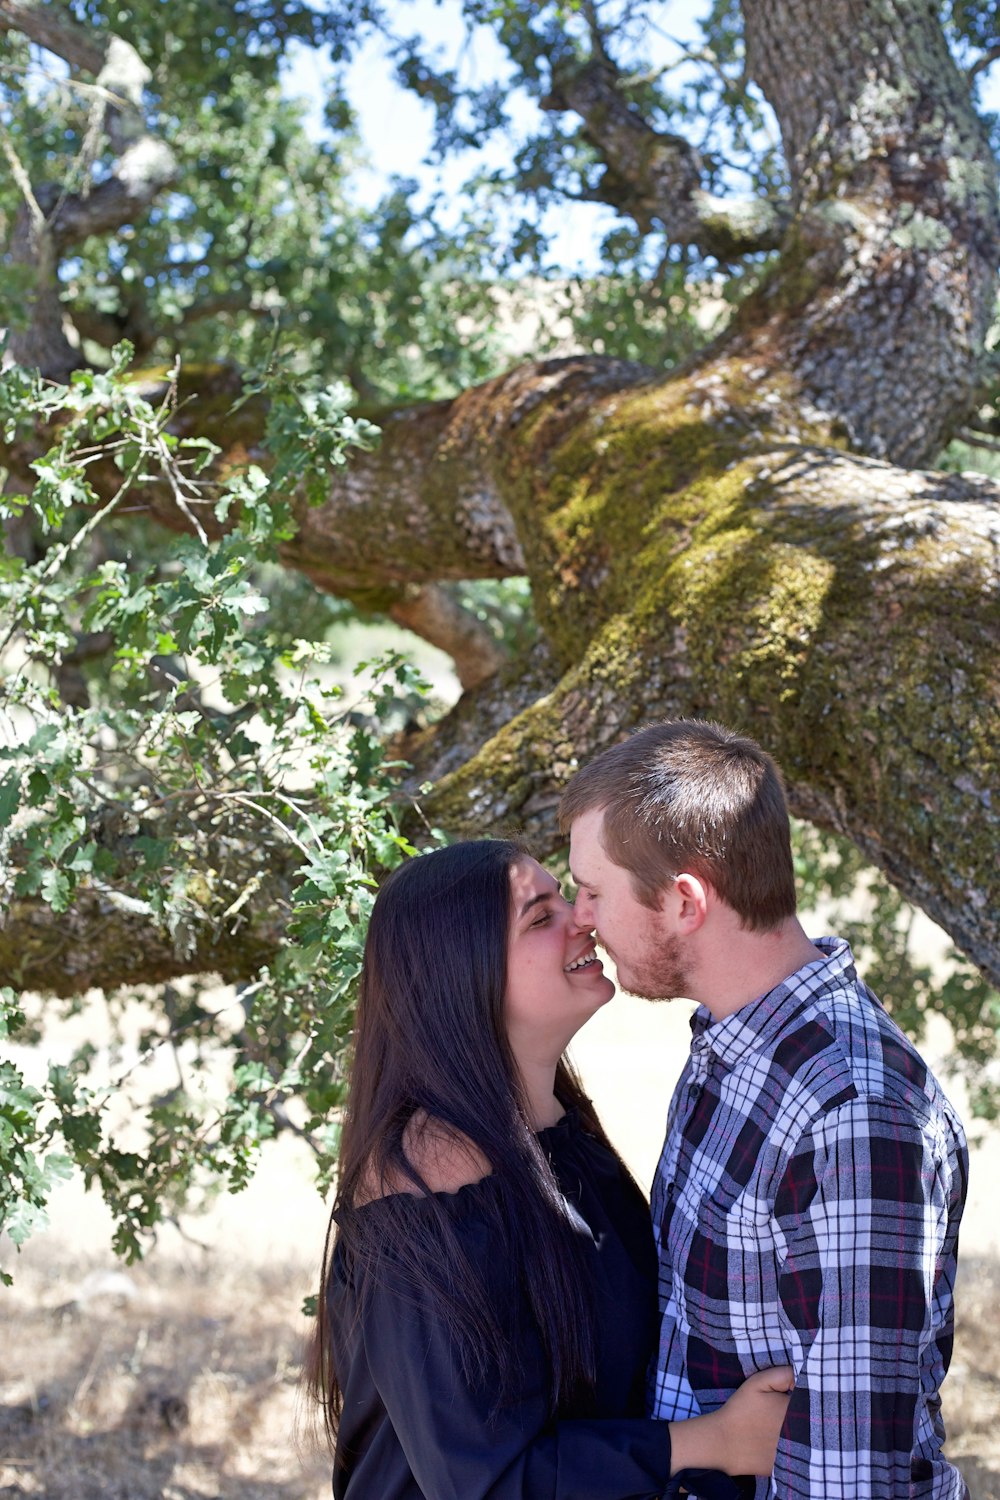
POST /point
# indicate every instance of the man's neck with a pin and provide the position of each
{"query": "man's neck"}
(741, 966)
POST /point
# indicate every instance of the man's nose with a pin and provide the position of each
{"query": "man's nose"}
(583, 916)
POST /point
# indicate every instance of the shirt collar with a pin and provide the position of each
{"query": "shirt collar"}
(760, 1021)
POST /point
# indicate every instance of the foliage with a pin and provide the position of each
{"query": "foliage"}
(26, 1179)
(504, 606)
(263, 236)
(198, 723)
(698, 90)
(260, 236)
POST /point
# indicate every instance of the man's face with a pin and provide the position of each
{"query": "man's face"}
(647, 953)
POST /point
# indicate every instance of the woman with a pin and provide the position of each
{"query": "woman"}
(489, 1283)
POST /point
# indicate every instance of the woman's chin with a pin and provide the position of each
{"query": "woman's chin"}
(605, 989)
(611, 990)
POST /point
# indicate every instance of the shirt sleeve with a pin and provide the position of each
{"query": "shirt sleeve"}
(866, 1209)
(459, 1448)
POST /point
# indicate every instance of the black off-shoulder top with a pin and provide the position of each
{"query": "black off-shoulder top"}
(413, 1428)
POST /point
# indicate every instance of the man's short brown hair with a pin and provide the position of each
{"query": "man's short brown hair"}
(688, 794)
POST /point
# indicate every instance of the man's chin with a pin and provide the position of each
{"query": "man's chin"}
(651, 989)
(648, 986)
(640, 990)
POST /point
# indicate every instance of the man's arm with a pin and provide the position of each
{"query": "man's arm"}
(865, 1206)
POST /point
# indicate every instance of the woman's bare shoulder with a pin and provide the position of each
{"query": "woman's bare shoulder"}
(445, 1158)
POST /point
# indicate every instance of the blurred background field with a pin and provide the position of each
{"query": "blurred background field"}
(179, 1378)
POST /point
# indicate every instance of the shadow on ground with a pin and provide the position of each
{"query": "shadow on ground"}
(177, 1382)
(184, 1386)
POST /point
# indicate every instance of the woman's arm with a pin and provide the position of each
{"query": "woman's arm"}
(459, 1447)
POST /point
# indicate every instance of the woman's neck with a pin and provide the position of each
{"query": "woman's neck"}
(539, 1081)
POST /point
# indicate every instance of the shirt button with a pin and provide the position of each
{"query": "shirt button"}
(694, 1092)
(670, 1192)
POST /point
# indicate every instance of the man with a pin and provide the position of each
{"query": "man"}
(807, 1201)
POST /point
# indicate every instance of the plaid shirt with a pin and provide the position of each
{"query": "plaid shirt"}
(806, 1211)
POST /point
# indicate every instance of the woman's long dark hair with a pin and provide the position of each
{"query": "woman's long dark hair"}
(430, 1039)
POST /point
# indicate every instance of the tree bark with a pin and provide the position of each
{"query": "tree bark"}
(231, 922)
(885, 289)
(843, 612)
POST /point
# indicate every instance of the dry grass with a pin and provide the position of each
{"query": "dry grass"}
(184, 1383)
(188, 1387)
(972, 1390)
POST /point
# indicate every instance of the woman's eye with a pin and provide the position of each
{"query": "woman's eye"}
(546, 916)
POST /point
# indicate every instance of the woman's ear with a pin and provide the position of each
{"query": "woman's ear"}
(691, 902)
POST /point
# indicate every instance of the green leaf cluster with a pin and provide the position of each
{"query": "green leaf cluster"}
(170, 748)
(26, 1175)
(261, 233)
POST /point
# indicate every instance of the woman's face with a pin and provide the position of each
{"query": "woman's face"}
(555, 981)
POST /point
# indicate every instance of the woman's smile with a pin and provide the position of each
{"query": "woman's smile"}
(587, 959)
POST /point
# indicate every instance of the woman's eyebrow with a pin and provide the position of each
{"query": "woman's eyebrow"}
(534, 900)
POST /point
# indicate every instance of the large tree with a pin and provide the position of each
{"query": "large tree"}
(753, 530)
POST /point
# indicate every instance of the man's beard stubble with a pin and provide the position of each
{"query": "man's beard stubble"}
(658, 973)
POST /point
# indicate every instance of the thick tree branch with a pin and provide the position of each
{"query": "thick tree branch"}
(434, 491)
(657, 178)
(101, 944)
(428, 505)
(843, 612)
(107, 939)
(52, 29)
(436, 615)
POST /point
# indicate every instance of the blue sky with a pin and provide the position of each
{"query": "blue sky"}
(396, 126)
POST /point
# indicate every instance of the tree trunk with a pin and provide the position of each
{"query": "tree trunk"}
(886, 285)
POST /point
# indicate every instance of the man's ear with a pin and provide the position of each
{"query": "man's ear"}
(692, 898)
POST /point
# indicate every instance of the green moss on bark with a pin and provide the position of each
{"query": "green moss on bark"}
(856, 636)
